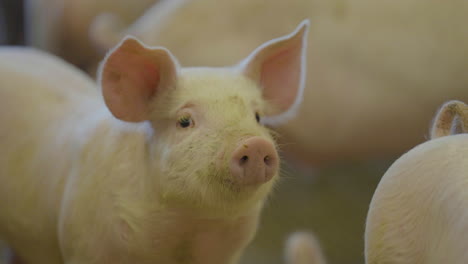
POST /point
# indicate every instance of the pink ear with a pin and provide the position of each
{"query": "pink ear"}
(278, 66)
(132, 75)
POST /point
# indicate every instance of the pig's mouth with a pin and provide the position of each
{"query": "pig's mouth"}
(233, 185)
(229, 183)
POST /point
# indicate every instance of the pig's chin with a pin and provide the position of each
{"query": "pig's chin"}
(220, 197)
(229, 196)
(235, 189)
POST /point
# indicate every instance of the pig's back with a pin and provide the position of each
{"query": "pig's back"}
(37, 89)
(27, 67)
(419, 211)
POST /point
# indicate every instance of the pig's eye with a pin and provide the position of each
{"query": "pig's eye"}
(257, 117)
(185, 121)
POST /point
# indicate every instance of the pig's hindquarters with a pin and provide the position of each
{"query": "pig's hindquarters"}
(418, 212)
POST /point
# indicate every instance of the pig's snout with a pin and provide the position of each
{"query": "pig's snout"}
(254, 161)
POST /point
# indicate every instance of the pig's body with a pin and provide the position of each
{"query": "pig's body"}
(370, 63)
(186, 186)
(419, 211)
(34, 107)
(45, 127)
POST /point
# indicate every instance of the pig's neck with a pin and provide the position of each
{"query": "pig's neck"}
(180, 237)
(176, 236)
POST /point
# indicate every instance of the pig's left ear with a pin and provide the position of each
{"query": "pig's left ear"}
(279, 68)
(133, 75)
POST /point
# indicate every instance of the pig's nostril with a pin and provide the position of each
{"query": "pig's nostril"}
(244, 159)
(267, 160)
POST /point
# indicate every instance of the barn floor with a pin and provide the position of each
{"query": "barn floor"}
(332, 203)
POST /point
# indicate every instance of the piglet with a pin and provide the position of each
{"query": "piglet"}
(419, 212)
(171, 165)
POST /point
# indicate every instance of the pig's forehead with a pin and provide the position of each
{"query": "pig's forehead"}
(216, 83)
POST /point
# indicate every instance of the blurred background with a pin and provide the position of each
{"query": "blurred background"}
(377, 72)
(11, 22)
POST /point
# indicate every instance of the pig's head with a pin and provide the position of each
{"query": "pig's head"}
(210, 148)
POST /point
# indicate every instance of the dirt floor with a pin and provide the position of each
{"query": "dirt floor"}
(332, 203)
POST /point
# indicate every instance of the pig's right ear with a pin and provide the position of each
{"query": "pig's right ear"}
(451, 119)
(133, 75)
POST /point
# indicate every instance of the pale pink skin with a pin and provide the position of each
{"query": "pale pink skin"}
(95, 189)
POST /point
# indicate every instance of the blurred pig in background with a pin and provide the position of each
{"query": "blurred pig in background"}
(11, 24)
(303, 248)
(375, 69)
(61, 26)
